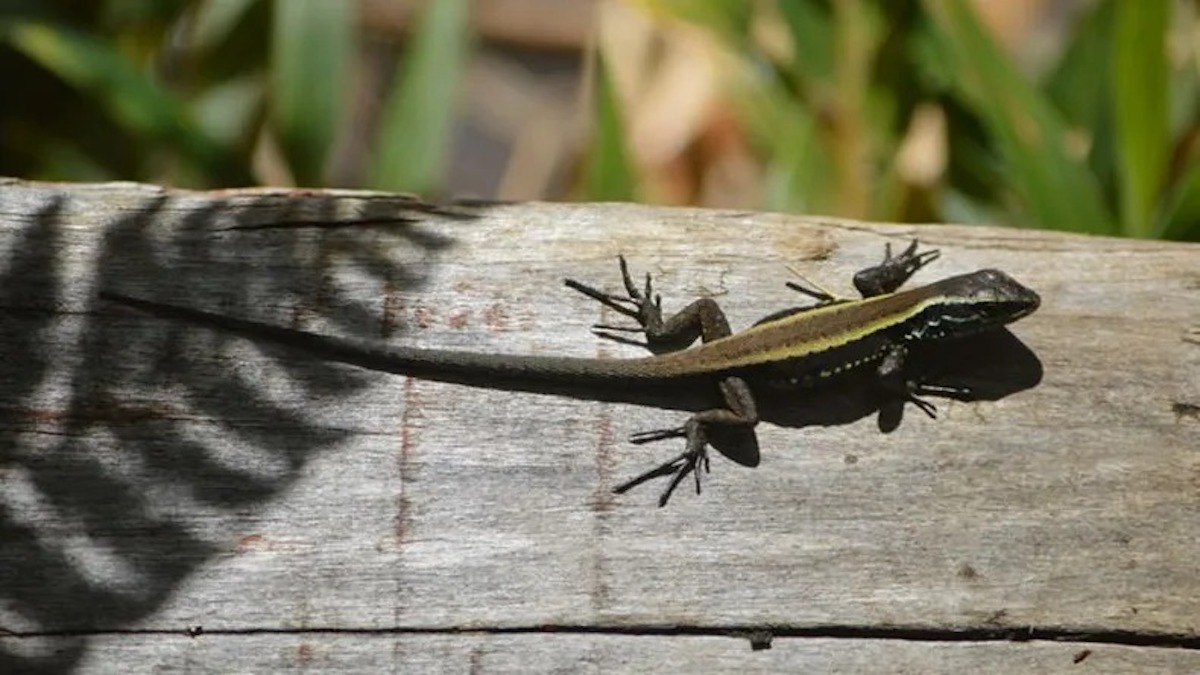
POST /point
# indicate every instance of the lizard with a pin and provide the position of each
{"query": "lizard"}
(797, 348)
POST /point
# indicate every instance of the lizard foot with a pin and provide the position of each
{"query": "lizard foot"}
(690, 461)
(642, 305)
(890, 274)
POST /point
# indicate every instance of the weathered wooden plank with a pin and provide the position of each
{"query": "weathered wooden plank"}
(154, 475)
(615, 654)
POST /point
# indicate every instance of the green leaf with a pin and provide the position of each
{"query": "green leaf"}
(310, 50)
(811, 29)
(1050, 179)
(609, 176)
(414, 135)
(1140, 109)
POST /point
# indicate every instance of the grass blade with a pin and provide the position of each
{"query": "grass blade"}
(414, 136)
(310, 50)
(1140, 109)
(608, 176)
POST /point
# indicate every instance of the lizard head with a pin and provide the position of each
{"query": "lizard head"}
(974, 302)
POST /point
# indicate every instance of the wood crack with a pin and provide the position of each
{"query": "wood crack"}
(757, 635)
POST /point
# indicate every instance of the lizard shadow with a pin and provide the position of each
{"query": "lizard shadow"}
(986, 367)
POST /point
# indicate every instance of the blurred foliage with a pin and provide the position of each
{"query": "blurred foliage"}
(215, 92)
(905, 110)
(1105, 138)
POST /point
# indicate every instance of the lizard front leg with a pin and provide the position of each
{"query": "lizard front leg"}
(876, 280)
(891, 274)
(886, 277)
(894, 381)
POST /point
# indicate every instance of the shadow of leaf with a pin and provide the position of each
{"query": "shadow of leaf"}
(122, 440)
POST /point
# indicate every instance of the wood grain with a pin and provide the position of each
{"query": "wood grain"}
(156, 477)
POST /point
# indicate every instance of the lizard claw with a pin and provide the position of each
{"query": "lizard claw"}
(687, 462)
(908, 259)
(923, 405)
(615, 302)
(642, 305)
(949, 391)
(620, 339)
(657, 435)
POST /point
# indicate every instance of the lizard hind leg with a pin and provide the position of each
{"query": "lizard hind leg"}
(730, 430)
(740, 446)
(702, 319)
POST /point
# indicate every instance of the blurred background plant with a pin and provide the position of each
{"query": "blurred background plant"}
(1067, 114)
